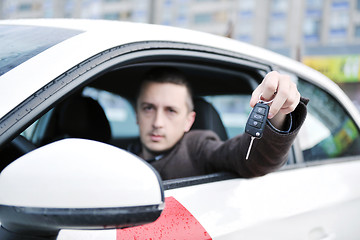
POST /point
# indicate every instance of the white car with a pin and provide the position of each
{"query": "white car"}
(66, 175)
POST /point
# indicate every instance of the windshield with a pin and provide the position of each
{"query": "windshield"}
(20, 43)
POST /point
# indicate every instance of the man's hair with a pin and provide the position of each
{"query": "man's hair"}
(167, 75)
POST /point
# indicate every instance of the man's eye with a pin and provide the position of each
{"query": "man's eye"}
(170, 110)
(148, 108)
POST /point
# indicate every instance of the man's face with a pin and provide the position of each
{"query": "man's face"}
(163, 116)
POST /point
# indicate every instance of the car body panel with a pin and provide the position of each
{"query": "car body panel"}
(308, 206)
(175, 222)
(109, 234)
(260, 207)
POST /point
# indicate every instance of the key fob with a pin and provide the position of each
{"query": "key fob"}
(256, 122)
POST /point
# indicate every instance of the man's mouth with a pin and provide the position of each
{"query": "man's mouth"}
(156, 137)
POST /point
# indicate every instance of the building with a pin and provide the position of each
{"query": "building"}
(282, 25)
(129, 10)
(314, 31)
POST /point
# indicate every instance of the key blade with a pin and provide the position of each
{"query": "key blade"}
(248, 152)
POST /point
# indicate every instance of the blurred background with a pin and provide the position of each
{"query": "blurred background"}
(324, 34)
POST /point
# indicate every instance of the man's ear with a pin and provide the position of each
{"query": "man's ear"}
(189, 121)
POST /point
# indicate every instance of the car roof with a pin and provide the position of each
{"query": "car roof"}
(100, 35)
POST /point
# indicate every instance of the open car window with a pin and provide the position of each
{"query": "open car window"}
(110, 95)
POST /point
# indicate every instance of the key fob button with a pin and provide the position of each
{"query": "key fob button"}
(258, 117)
(260, 110)
(255, 123)
(257, 120)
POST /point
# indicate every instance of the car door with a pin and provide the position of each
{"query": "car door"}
(287, 204)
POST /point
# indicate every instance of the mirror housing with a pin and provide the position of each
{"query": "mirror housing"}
(77, 184)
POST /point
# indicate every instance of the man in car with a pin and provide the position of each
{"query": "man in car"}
(165, 114)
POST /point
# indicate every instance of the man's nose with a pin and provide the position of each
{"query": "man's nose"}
(159, 119)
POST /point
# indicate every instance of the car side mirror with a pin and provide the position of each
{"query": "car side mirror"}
(77, 184)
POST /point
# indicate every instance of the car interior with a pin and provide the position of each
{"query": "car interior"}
(82, 116)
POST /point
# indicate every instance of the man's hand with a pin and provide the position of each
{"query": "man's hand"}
(283, 91)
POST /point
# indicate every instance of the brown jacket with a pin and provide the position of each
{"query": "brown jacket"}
(202, 152)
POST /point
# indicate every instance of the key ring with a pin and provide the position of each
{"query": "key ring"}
(264, 102)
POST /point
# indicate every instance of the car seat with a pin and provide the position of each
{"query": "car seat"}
(79, 117)
(207, 118)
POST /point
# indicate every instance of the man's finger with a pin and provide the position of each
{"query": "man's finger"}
(255, 96)
(266, 89)
(292, 101)
(281, 97)
(270, 85)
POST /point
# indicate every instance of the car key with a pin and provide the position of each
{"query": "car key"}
(256, 122)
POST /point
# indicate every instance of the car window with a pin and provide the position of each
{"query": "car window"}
(329, 131)
(15, 50)
(233, 110)
(118, 110)
(29, 132)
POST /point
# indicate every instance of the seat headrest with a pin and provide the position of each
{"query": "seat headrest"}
(83, 117)
(207, 118)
